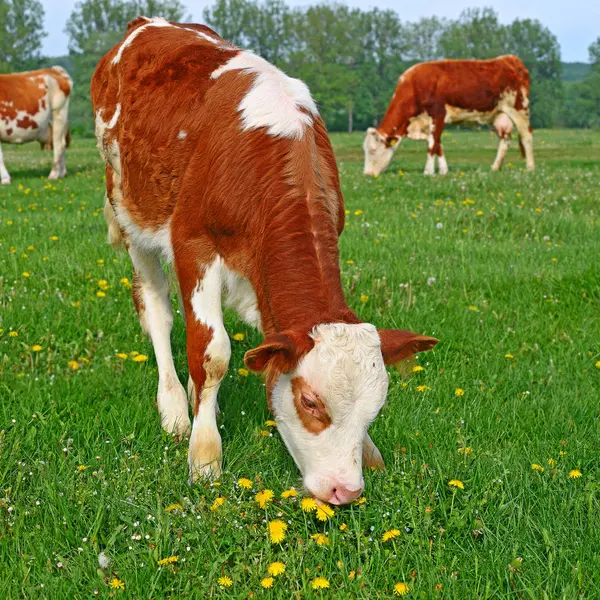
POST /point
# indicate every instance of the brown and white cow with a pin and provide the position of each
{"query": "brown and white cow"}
(34, 106)
(219, 164)
(430, 95)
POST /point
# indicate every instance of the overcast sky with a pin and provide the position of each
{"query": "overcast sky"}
(576, 23)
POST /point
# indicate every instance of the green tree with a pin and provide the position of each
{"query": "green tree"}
(21, 34)
(583, 102)
(424, 39)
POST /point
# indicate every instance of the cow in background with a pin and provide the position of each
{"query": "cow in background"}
(34, 106)
(432, 94)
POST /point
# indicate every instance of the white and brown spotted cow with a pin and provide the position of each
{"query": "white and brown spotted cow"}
(432, 94)
(34, 106)
(219, 164)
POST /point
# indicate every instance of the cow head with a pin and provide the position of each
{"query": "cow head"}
(379, 150)
(325, 388)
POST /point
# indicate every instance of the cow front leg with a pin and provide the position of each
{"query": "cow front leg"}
(153, 303)
(208, 351)
(503, 146)
(442, 164)
(4, 176)
(371, 456)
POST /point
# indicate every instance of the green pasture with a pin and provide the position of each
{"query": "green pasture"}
(504, 268)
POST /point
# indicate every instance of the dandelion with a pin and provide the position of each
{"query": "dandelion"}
(277, 531)
(140, 358)
(13, 334)
(174, 507)
(53, 238)
(598, 364)
(423, 388)
(267, 583)
(100, 294)
(218, 502)
(349, 262)
(320, 538)
(36, 348)
(167, 561)
(116, 584)
(291, 493)
(308, 504)
(417, 368)
(103, 560)
(320, 583)
(456, 483)
(401, 589)
(575, 474)
(238, 337)
(245, 483)
(125, 282)
(264, 497)
(76, 304)
(392, 534)
(324, 512)
(364, 298)
(358, 212)
(473, 308)
(82, 468)
(551, 462)
(73, 364)
(360, 501)
(270, 423)
(225, 581)
(537, 467)
(26, 274)
(466, 450)
(458, 392)
(243, 372)
(508, 355)
(276, 568)
(343, 527)
(123, 356)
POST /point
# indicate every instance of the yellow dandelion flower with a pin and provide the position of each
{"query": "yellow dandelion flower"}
(598, 364)
(167, 561)
(473, 308)
(343, 527)
(36, 348)
(238, 337)
(459, 392)
(225, 581)
(320, 583)
(508, 355)
(277, 531)
(245, 483)
(423, 388)
(267, 582)
(76, 304)
(218, 502)
(81, 468)
(364, 298)
(324, 512)
(100, 294)
(140, 358)
(244, 372)
(308, 504)
(537, 467)
(551, 462)
(276, 568)
(401, 589)
(291, 493)
(349, 262)
(360, 501)
(133, 353)
(123, 356)
(575, 474)
(73, 364)
(320, 538)
(358, 212)
(392, 534)
(417, 368)
(264, 497)
(456, 483)
(53, 238)
(351, 575)
(13, 334)
(466, 450)
(174, 507)
(124, 281)
(116, 584)
(270, 423)
(26, 274)
(562, 453)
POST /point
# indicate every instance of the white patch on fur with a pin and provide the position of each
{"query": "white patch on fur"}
(456, 114)
(430, 165)
(419, 127)
(182, 135)
(346, 369)
(153, 22)
(442, 165)
(378, 154)
(274, 99)
(204, 36)
(115, 117)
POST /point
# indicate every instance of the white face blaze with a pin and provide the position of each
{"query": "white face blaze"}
(345, 371)
(378, 153)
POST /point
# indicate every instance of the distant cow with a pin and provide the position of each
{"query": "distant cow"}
(430, 95)
(219, 164)
(34, 106)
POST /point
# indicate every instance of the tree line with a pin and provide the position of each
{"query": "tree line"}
(350, 58)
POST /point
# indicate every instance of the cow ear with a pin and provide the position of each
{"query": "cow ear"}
(278, 353)
(397, 345)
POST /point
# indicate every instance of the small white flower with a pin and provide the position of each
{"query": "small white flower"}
(103, 560)
(430, 281)
(439, 225)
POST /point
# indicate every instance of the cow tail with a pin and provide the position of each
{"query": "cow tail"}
(521, 147)
(68, 137)
(115, 238)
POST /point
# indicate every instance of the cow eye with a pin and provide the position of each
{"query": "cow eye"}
(308, 402)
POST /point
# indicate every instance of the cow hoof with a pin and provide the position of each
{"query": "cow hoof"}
(204, 457)
(6, 181)
(53, 177)
(173, 408)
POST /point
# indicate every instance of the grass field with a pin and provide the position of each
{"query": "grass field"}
(501, 267)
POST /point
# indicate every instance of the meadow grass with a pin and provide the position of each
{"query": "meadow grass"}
(501, 267)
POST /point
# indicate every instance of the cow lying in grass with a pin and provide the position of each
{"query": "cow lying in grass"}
(219, 163)
(34, 106)
(430, 95)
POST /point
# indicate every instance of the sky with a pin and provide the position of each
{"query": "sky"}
(575, 23)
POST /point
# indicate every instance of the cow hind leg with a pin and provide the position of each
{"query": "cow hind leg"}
(4, 176)
(521, 120)
(503, 146)
(153, 303)
(60, 128)
(442, 164)
(208, 351)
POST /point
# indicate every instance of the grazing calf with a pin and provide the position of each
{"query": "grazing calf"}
(432, 94)
(219, 164)
(34, 106)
